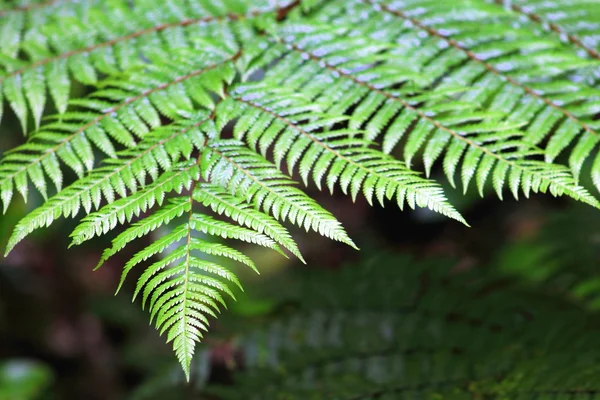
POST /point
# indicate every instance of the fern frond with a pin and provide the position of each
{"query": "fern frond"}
(223, 202)
(180, 177)
(456, 129)
(181, 289)
(389, 338)
(141, 228)
(170, 90)
(353, 94)
(104, 40)
(552, 106)
(159, 150)
(297, 131)
(248, 175)
(22, 22)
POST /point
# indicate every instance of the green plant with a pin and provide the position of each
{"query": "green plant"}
(418, 329)
(394, 327)
(215, 103)
(548, 258)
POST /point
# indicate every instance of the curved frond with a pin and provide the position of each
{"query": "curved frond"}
(466, 100)
(565, 106)
(299, 133)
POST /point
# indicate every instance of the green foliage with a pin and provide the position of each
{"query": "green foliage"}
(397, 328)
(548, 259)
(356, 94)
(23, 379)
(394, 327)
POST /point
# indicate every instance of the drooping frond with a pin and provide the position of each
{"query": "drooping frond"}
(300, 133)
(100, 38)
(182, 290)
(248, 175)
(325, 64)
(119, 112)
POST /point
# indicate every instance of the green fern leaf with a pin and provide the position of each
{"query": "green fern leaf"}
(487, 135)
(298, 132)
(489, 93)
(124, 210)
(246, 174)
(99, 38)
(137, 110)
(157, 151)
(223, 202)
(181, 289)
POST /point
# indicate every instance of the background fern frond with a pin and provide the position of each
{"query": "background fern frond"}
(394, 328)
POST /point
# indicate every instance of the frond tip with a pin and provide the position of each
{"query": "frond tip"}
(183, 290)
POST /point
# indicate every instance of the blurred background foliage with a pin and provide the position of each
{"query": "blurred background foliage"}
(64, 335)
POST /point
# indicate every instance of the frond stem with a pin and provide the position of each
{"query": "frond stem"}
(283, 12)
(30, 7)
(188, 247)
